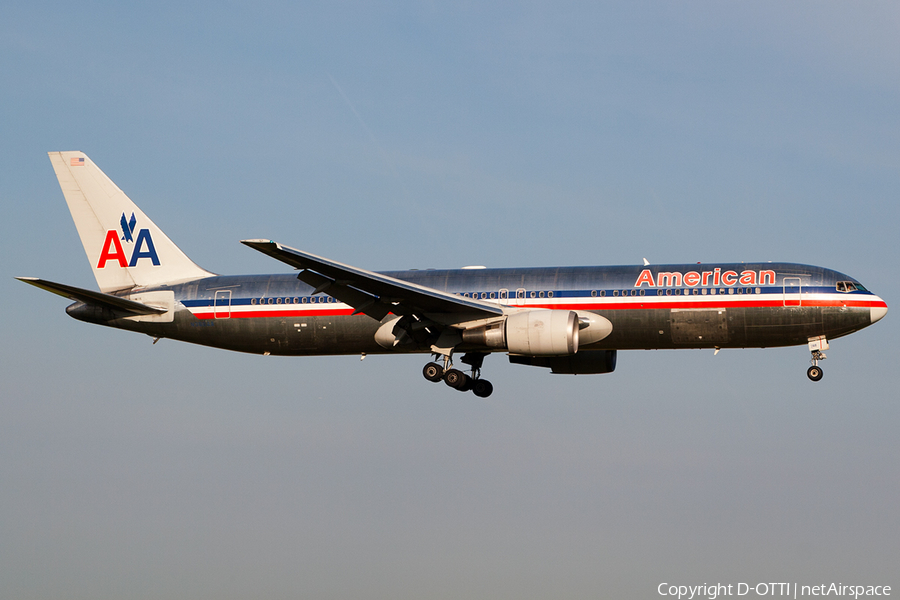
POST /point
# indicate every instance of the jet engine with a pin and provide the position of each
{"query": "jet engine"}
(541, 332)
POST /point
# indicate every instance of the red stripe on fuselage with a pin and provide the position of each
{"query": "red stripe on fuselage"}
(636, 304)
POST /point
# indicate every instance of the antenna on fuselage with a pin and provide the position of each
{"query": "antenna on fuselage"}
(646, 262)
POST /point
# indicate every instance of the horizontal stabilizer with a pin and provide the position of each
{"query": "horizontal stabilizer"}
(93, 298)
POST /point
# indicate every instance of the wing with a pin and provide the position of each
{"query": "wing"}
(374, 294)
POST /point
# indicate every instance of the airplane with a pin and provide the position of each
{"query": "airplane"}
(571, 320)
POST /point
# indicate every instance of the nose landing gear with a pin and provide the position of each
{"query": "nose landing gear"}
(816, 345)
(814, 373)
(457, 379)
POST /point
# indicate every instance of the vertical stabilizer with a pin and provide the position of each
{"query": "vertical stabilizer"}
(125, 248)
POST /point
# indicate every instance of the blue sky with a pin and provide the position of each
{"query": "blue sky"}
(440, 135)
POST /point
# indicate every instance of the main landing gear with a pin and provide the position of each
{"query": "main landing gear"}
(457, 379)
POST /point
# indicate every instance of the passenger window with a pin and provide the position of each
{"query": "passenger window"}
(593, 293)
(549, 294)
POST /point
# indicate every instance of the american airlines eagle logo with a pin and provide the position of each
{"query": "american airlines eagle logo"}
(113, 250)
(128, 228)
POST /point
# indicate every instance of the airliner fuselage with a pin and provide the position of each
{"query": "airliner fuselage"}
(280, 315)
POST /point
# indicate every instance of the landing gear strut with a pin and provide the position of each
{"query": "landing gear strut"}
(816, 345)
(815, 371)
(457, 379)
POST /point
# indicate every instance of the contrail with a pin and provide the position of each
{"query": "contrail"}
(359, 118)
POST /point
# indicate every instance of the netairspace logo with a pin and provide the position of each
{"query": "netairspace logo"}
(791, 590)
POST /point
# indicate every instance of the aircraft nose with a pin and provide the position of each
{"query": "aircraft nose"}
(876, 313)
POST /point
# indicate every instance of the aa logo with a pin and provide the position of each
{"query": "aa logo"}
(113, 250)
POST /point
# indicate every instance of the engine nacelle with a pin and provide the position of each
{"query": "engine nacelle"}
(542, 333)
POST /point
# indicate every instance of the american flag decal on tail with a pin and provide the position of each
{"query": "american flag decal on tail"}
(76, 162)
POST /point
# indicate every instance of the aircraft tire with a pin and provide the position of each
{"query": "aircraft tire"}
(482, 388)
(467, 384)
(814, 373)
(455, 379)
(433, 372)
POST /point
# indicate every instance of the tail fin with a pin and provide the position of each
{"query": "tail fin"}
(125, 248)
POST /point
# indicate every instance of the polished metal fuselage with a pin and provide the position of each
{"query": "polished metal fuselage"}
(280, 315)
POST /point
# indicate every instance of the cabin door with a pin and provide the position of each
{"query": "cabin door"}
(792, 291)
(222, 302)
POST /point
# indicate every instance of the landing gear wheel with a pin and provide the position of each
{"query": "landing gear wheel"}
(455, 379)
(814, 373)
(433, 372)
(482, 388)
(467, 384)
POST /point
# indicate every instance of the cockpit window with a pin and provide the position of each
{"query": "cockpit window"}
(849, 286)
